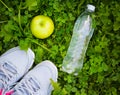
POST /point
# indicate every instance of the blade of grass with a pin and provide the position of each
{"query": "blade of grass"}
(5, 5)
(3, 21)
(19, 17)
(40, 45)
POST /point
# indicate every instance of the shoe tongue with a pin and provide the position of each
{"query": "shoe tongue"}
(1, 91)
(10, 68)
(9, 93)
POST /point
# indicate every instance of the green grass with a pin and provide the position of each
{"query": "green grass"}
(101, 72)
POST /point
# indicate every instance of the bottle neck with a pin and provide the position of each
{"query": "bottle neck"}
(89, 11)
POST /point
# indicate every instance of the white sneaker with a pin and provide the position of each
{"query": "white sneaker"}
(13, 65)
(37, 81)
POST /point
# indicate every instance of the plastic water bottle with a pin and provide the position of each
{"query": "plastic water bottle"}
(82, 33)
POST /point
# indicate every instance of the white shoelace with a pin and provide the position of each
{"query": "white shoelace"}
(6, 75)
(27, 87)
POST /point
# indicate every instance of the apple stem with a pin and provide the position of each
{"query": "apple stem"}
(41, 24)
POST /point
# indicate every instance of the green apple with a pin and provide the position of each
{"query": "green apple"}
(42, 26)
